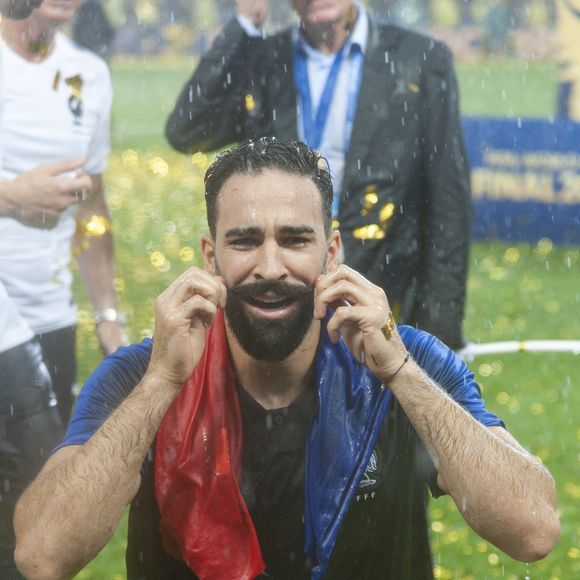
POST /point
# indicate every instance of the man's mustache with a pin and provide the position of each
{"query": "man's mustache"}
(280, 289)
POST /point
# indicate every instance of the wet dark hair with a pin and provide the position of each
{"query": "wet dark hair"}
(250, 157)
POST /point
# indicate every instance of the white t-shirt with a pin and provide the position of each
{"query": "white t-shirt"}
(52, 111)
(13, 330)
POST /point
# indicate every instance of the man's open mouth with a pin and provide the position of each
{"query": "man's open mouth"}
(269, 304)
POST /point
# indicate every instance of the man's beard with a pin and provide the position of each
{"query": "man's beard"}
(265, 339)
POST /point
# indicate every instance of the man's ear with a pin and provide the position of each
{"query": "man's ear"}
(208, 251)
(334, 253)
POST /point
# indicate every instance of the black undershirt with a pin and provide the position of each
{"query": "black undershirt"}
(273, 479)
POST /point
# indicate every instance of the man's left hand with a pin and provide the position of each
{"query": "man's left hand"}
(361, 310)
(111, 335)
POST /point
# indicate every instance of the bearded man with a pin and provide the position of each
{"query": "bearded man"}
(279, 425)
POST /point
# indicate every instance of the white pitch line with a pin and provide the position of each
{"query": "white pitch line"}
(473, 350)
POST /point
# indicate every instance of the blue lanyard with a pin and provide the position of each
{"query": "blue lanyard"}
(314, 125)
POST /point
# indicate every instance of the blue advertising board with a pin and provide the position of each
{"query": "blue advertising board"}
(525, 177)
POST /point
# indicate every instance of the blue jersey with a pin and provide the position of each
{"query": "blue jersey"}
(387, 507)
(118, 374)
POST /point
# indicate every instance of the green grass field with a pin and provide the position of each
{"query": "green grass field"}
(515, 292)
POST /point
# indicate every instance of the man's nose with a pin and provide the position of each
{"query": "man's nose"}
(270, 264)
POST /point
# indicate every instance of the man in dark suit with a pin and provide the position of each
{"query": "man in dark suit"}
(381, 103)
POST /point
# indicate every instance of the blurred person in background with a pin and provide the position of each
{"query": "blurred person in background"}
(55, 104)
(381, 103)
(18, 9)
(29, 421)
(92, 29)
(568, 34)
(496, 28)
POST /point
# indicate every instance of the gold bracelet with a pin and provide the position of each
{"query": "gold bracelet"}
(389, 328)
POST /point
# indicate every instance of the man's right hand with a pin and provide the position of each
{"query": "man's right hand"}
(255, 11)
(182, 314)
(38, 197)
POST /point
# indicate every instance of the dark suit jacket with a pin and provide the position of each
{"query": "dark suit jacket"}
(405, 209)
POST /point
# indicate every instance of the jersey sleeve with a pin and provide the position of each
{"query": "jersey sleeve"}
(112, 381)
(100, 144)
(454, 377)
(449, 372)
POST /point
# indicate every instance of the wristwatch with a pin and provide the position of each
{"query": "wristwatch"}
(109, 315)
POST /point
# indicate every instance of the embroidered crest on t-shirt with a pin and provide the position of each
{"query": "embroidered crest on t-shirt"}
(75, 101)
(370, 478)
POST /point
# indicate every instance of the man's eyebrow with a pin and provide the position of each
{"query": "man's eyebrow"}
(243, 232)
(295, 230)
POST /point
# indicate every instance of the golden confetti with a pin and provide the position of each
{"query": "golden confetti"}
(387, 212)
(119, 285)
(200, 161)
(441, 573)
(371, 198)
(485, 370)
(370, 232)
(159, 166)
(544, 247)
(250, 103)
(573, 490)
(493, 559)
(96, 227)
(186, 254)
(502, 398)
(86, 320)
(130, 159)
(512, 255)
(158, 259)
(498, 273)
